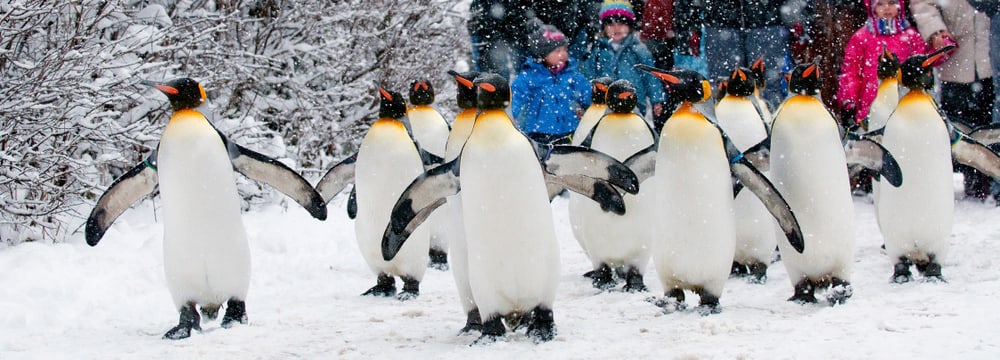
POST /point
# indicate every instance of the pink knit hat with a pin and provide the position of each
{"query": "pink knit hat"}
(616, 11)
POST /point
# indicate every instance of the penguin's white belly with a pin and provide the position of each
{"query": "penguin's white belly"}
(694, 198)
(884, 104)
(429, 129)
(387, 163)
(206, 257)
(513, 254)
(458, 250)
(808, 166)
(916, 218)
(607, 237)
(739, 119)
(587, 122)
(755, 234)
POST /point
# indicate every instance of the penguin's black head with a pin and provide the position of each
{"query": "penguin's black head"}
(494, 91)
(421, 92)
(391, 104)
(915, 71)
(685, 85)
(804, 80)
(741, 82)
(466, 88)
(600, 89)
(183, 93)
(888, 64)
(621, 96)
(759, 73)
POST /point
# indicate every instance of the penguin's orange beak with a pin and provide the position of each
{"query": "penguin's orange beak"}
(666, 77)
(759, 64)
(385, 94)
(169, 90)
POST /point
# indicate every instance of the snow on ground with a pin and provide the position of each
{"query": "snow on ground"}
(71, 301)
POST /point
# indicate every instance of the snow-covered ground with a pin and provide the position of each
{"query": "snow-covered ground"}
(71, 301)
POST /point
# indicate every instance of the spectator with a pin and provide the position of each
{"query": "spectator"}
(658, 36)
(496, 29)
(992, 9)
(549, 94)
(736, 32)
(618, 50)
(967, 93)
(886, 26)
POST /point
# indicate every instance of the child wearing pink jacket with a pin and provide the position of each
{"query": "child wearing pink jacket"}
(886, 26)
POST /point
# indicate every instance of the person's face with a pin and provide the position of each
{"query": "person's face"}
(557, 57)
(616, 31)
(887, 9)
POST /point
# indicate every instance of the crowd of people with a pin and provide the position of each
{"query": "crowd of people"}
(551, 49)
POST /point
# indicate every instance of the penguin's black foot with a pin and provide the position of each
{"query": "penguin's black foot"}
(189, 319)
(472, 322)
(384, 287)
(439, 259)
(757, 272)
(672, 302)
(708, 304)
(840, 291)
(738, 270)
(411, 289)
(634, 282)
(604, 278)
(493, 331)
(590, 274)
(804, 293)
(236, 312)
(542, 325)
(931, 270)
(210, 311)
(901, 271)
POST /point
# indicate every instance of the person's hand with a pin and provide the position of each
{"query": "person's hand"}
(657, 109)
(941, 39)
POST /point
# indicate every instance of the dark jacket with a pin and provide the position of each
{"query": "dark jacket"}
(605, 61)
(491, 20)
(547, 103)
(733, 14)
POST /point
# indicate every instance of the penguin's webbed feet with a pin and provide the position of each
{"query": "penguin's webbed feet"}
(931, 270)
(708, 304)
(236, 312)
(634, 282)
(439, 259)
(671, 302)
(541, 325)
(384, 287)
(604, 278)
(804, 293)
(189, 319)
(901, 271)
(493, 331)
(758, 273)
(840, 291)
(472, 322)
(411, 289)
(738, 270)
(210, 311)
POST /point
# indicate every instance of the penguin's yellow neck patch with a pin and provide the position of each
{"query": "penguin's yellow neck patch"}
(388, 122)
(187, 115)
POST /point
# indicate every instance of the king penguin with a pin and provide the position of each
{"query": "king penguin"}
(887, 96)
(916, 218)
(508, 224)
(760, 83)
(598, 107)
(430, 132)
(458, 250)
(744, 123)
(386, 161)
(808, 167)
(616, 244)
(206, 256)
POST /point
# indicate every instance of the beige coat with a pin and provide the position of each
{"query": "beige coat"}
(971, 29)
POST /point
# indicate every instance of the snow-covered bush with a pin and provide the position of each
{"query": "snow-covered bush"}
(292, 79)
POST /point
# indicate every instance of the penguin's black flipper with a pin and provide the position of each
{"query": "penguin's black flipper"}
(126, 189)
(352, 204)
(643, 163)
(752, 179)
(335, 179)
(968, 151)
(986, 134)
(760, 154)
(263, 168)
(426, 193)
(873, 156)
(429, 160)
(565, 160)
(600, 191)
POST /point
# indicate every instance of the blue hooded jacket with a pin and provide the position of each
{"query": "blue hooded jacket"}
(619, 65)
(547, 103)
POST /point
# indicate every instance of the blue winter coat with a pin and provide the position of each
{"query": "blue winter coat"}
(605, 61)
(547, 103)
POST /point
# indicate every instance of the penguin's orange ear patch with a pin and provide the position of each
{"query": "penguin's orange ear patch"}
(420, 85)
(204, 96)
(624, 95)
(666, 77)
(707, 89)
(740, 73)
(167, 89)
(385, 94)
(808, 71)
(464, 82)
(759, 64)
(601, 87)
(488, 87)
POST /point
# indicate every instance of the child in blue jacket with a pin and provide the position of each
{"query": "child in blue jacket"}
(549, 94)
(615, 54)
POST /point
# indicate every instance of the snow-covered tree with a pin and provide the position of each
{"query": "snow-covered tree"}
(293, 79)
